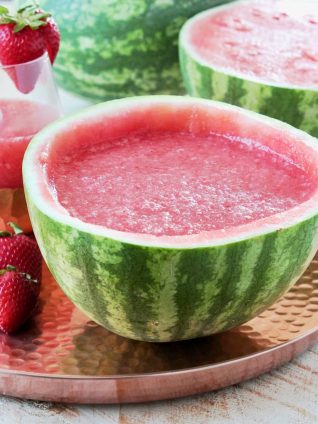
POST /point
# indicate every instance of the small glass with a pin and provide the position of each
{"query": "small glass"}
(28, 102)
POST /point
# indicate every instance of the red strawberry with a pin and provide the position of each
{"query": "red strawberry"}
(20, 47)
(18, 298)
(51, 35)
(24, 37)
(20, 251)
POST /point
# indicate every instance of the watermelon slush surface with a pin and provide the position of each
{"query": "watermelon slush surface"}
(275, 41)
(176, 183)
(20, 120)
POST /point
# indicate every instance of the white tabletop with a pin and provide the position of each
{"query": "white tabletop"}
(288, 395)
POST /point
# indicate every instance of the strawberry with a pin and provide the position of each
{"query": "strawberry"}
(51, 36)
(18, 298)
(20, 47)
(20, 251)
(24, 37)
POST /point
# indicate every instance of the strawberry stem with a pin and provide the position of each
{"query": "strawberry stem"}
(5, 234)
(8, 268)
(27, 5)
(26, 276)
(17, 230)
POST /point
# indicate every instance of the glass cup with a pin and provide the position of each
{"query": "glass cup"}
(28, 102)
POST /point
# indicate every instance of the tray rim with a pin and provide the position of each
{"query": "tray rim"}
(311, 332)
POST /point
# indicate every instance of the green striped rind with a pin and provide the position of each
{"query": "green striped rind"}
(164, 294)
(111, 48)
(298, 107)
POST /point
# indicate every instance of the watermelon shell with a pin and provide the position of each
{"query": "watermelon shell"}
(169, 288)
(295, 105)
(111, 49)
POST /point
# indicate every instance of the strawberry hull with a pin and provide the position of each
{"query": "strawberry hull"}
(172, 287)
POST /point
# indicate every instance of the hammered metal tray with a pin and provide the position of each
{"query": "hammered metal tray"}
(62, 356)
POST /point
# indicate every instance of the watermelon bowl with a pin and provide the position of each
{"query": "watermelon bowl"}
(261, 55)
(245, 233)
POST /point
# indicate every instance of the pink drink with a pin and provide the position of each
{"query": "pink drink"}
(20, 120)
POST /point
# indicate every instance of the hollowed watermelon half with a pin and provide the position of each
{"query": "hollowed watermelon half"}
(211, 213)
(261, 55)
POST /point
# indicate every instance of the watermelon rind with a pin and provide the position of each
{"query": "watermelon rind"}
(296, 105)
(162, 289)
(111, 49)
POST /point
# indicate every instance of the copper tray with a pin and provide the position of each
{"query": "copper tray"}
(62, 356)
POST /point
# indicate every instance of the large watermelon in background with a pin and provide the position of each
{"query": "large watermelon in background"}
(261, 55)
(119, 48)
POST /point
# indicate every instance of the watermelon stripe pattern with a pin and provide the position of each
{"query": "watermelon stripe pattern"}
(296, 106)
(160, 295)
(112, 49)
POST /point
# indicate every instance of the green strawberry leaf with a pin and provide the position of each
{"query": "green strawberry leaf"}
(28, 5)
(17, 230)
(3, 10)
(36, 24)
(8, 268)
(28, 15)
(19, 27)
(6, 20)
(43, 15)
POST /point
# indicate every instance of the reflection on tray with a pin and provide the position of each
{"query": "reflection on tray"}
(61, 340)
